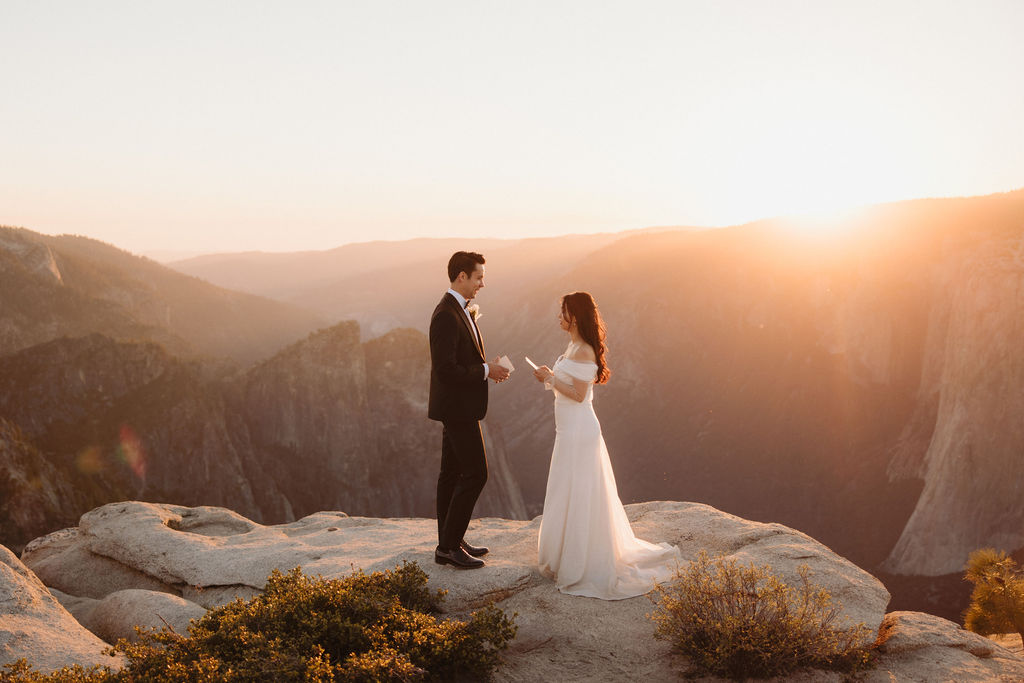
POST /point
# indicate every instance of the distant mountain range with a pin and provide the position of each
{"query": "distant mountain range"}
(384, 285)
(862, 387)
(72, 286)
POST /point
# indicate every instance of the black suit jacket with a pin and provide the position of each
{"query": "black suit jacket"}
(458, 388)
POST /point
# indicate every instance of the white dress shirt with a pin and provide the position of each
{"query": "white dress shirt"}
(472, 325)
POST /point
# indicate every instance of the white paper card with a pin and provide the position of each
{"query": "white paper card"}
(506, 363)
(532, 364)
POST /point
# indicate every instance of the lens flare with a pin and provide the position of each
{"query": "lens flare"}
(131, 453)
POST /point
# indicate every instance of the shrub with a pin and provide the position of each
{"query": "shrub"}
(21, 672)
(997, 601)
(744, 622)
(364, 627)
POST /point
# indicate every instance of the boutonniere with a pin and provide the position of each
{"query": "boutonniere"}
(474, 312)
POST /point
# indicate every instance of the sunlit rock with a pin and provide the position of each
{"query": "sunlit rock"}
(34, 625)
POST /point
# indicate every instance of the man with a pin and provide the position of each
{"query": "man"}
(458, 399)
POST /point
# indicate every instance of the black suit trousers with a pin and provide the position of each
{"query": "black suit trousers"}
(462, 478)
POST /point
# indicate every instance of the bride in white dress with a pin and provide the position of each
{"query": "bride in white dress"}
(586, 544)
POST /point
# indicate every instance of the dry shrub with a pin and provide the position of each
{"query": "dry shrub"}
(744, 622)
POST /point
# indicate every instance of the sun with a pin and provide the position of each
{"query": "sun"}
(823, 225)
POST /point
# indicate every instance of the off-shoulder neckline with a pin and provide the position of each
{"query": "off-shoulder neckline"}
(571, 360)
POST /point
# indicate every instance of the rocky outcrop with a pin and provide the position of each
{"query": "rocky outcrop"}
(207, 556)
(210, 555)
(928, 648)
(35, 626)
(1010, 641)
(65, 564)
(120, 613)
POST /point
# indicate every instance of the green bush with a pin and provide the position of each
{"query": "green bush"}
(744, 622)
(364, 627)
(997, 601)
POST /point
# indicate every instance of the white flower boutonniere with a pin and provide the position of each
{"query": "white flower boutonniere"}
(474, 312)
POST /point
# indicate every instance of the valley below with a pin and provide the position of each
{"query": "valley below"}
(862, 388)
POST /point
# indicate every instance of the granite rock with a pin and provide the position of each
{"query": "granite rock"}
(34, 626)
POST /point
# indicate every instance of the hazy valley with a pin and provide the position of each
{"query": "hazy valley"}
(862, 388)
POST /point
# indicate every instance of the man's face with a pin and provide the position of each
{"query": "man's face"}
(469, 286)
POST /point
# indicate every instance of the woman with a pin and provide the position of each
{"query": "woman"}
(586, 543)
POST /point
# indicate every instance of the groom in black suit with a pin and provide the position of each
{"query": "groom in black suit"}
(458, 399)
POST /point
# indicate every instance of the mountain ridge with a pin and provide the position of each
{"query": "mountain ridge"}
(71, 285)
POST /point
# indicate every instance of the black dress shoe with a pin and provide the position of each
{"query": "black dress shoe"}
(458, 558)
(474, 550)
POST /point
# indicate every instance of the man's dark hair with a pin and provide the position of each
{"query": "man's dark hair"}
(463, 262)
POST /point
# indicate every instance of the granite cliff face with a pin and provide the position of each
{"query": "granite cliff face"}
(383, 454)
(306, 414)
(35, 496)
(115, 420)
(329, 423)
(971, 388)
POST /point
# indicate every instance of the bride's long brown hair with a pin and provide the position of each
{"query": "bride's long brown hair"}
(580, 307)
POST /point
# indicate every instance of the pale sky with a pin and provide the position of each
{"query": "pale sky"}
(278, 126)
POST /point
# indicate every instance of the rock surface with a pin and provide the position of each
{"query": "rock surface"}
(35, 626)
(1010, 641)
(66, 565)
(116, 616)
(210, 555)
(928, 648)
(190, 550)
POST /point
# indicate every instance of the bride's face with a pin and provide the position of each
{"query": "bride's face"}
(563, 321)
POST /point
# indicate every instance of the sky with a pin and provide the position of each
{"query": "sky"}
(281, 126)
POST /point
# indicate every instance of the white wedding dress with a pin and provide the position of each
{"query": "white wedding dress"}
(586, 544)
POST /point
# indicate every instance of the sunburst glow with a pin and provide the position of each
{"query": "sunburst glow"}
(285, 130)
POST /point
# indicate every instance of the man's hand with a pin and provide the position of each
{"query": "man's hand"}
(497, 372)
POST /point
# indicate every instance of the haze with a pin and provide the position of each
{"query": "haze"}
(206, 127)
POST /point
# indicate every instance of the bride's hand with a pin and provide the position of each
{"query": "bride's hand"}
(542, 373)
